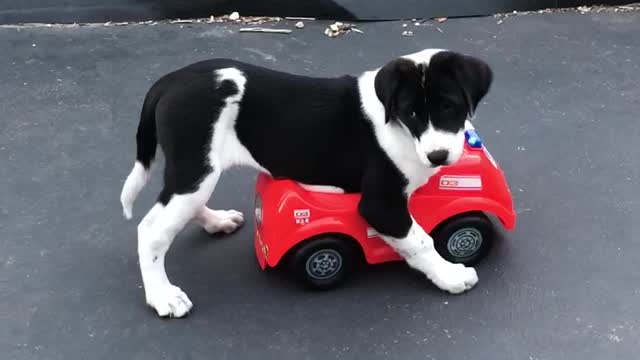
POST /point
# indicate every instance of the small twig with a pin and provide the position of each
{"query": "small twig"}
(299, 18)
(180, 21)
(266, 30)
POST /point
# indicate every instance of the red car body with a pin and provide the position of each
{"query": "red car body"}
(287, 214)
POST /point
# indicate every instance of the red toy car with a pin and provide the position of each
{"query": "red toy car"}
(319, 233)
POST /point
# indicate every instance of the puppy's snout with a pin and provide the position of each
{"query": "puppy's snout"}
(438, 157)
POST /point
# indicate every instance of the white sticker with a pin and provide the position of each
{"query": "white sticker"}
(472, 182)
(302, 216)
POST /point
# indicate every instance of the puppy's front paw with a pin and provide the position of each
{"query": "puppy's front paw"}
(169, 301)
(454, 278)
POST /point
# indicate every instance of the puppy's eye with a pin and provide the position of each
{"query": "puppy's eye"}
(446, 106)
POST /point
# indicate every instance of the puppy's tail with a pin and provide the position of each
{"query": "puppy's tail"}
(147, 142)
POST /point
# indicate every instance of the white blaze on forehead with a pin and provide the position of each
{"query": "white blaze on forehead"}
(422, 57)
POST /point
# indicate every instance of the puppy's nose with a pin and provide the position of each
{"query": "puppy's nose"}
(438, 157)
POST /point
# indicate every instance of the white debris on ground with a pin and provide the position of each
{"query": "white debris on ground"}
(338, 29)
(580, 9)
(235, 17)
(245, 20)
(299, 25)
(407, 33)
(430, 23)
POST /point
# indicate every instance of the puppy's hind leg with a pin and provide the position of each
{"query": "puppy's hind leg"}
(154, 240)
(214, 221)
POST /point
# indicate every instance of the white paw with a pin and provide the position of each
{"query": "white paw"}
(454, 278)
(169, 301)
(226, 221)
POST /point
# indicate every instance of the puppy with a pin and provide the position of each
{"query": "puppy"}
(382, 133)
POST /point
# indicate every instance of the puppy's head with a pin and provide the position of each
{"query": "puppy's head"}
(431, 94)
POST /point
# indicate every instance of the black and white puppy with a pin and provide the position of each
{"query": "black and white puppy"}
(383, 133)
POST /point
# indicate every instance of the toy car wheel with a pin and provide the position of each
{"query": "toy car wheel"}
(323, 263)
(465, 239)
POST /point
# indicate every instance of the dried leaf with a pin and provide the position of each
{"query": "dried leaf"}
(338, 28)
(440, 19)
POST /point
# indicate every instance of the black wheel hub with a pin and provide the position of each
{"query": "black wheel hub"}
(324, 264)
(465, 242)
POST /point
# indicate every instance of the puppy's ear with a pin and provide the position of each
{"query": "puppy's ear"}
(475, 78)
(390, 83)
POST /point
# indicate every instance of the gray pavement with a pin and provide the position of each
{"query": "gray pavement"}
(562, 119)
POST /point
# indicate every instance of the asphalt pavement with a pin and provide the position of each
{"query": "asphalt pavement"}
(561, 119)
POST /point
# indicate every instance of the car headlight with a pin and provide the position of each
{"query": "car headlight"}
(258, 210)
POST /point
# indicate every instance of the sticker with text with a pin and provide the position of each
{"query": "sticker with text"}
(302, 216)
(472, 182)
